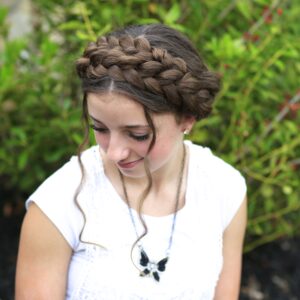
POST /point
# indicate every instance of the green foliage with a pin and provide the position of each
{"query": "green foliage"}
(253, 45)
(39, 128)
(256, 121)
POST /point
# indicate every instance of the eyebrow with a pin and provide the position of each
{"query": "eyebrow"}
(126, 126)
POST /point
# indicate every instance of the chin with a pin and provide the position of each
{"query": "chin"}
(133, 173)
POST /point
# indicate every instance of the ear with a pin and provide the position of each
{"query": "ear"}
(187, 123)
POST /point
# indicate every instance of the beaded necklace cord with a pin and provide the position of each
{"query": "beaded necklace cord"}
(147, 266)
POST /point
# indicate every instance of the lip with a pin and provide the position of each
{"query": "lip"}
(129, 165)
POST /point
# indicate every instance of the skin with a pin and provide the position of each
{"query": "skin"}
(120, 145)
(124, 138)
(228, 286)
(43, 259)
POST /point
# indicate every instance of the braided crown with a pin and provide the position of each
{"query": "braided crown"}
(152, 69)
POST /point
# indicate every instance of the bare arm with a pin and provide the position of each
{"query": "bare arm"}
(228, 286)
(43, 259)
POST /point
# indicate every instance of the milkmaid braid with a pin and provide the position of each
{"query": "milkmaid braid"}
(153, 64)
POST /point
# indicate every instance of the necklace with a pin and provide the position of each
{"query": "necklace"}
(147, 266)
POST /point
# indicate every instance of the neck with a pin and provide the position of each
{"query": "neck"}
(169, 173)
(164, 176)
(161, 193)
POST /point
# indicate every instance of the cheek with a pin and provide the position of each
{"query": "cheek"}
(140, 148)
(164, 147)
(102, 140)
(159, 152)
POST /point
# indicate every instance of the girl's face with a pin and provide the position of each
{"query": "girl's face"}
(122, 132)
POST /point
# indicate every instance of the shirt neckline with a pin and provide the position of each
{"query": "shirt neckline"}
(120, 202)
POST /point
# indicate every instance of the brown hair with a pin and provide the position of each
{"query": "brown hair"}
(154, 65)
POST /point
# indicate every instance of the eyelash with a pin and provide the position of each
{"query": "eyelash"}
(139, 138)
(99, 129)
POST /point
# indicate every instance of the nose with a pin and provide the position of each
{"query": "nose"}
(117, 149)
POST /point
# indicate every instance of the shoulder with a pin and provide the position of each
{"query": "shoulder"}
(209, 163)
(68, 176)
(56, 195)
(224, 183)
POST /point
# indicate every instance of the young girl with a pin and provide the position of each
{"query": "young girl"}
(143, 214)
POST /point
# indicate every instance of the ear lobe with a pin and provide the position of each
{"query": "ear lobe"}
(187, 123)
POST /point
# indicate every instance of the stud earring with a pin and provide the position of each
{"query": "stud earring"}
(186, 132)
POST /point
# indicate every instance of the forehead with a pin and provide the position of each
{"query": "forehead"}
(112, 99)
(113, 103)
(111, 108)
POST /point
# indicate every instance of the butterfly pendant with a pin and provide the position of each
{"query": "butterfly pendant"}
(152, 268)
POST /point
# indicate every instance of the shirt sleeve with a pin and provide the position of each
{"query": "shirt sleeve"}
(233, 192)
(236, 193)
(56, 198)
(231, 189)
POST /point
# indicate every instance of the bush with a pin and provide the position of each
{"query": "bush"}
(39, 116)
(254, 45)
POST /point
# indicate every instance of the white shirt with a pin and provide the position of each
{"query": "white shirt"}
(101, 266)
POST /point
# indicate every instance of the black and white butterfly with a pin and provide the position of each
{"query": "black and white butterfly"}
(152, 268)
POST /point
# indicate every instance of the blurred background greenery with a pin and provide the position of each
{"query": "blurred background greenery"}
(253, 45)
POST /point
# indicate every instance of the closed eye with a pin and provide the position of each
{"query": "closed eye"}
(99, 129)
(140, 138)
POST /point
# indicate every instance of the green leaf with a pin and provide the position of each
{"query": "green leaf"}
(71, 25)
(80, 8)
(84, 36)
(173, 14)
(147, 21)
(22, 160)
(48, 51)
(287, 190)
(244, 6)
(77, 138)
(258, 230)
(267, 191)
(261, 2)
(3, 14)
(104, 30)
(280, 65)
(19, 134)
